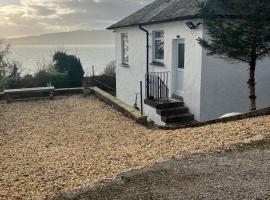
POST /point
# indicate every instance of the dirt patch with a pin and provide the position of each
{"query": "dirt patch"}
(239, 174)
(51, 147)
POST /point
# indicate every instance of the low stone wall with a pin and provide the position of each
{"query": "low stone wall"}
(119, 105)
(57, 92)
(69, 91)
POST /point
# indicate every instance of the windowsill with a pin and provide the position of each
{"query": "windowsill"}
(156, 63)
(124, 65)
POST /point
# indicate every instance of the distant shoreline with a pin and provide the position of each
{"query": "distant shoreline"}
(63, 45)
(78, 38)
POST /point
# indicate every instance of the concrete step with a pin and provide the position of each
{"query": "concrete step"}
(163, 105)
(175, 104)
(179, 98)
(182, 118)
(172, 111)
(170, 103)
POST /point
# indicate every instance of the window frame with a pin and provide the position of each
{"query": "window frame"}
(154, 45)
(124, 38)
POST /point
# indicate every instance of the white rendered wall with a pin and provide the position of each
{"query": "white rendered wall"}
(128, 78)
(212, 86)
(225, 89)
(153, 115)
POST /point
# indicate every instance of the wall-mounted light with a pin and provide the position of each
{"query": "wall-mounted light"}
(192, 26)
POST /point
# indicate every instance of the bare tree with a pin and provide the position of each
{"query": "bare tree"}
(8, 68)
(110, 69)
(4, 51)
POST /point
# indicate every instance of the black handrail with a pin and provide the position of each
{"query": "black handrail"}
(157, 86)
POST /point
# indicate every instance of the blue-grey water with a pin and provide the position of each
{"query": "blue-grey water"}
(33, 57)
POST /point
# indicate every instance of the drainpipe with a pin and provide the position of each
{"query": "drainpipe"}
(147, 60)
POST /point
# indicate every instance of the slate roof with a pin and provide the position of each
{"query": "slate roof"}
(161, 11)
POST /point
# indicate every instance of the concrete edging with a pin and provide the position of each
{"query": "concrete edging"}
(119, 105)
(57, 92)
(257, 113)
(68, 91)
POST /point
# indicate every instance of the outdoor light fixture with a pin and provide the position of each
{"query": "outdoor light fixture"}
(192, 26)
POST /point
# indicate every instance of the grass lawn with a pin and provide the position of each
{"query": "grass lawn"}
(50, 147)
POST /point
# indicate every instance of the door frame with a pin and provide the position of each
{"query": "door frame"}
(175, 68)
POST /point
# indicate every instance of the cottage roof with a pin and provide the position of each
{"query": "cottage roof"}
(161, 11)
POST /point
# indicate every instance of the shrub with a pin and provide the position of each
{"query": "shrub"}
(59, 80)
(41, 79)
(70, 64)
(16, 83)
(56, 79)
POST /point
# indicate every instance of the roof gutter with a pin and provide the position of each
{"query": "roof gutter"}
(115, 26)
(147, 59)
(155, 22)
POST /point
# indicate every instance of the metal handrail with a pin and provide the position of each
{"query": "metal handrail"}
(157, 83)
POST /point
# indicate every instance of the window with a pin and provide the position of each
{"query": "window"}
(125, 58)
(181, 55)
(158, 46)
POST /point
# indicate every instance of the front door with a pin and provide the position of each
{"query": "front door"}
(179, 68)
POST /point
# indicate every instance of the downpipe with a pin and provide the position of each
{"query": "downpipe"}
(147, 59)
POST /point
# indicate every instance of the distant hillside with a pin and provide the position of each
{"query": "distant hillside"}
(80, 37)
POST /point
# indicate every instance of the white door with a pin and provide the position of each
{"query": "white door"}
(179, 68)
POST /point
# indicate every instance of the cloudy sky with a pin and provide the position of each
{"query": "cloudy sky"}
(32, 17)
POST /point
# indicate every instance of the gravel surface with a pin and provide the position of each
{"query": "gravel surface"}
(49, 147)
(233, 175)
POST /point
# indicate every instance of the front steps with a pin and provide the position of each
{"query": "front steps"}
(172, 111)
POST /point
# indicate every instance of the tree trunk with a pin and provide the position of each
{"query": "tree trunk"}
(252, 85)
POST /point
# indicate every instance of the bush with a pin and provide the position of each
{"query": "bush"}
(41, 79)
(56, 79)
(59, 80)
(70, 64)
(16, 83)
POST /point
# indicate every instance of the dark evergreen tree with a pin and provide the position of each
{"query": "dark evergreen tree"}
(70, 64)
(238, 30)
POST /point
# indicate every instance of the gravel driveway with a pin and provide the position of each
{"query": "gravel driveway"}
(241, 174)
(50, 147)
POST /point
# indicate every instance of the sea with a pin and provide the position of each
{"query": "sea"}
(34, 57)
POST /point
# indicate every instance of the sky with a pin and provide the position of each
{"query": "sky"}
(34, 17)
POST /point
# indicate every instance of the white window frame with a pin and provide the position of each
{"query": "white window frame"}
(123, 40)
(154, 45)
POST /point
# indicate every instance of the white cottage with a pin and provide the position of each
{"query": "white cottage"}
(158, 46)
